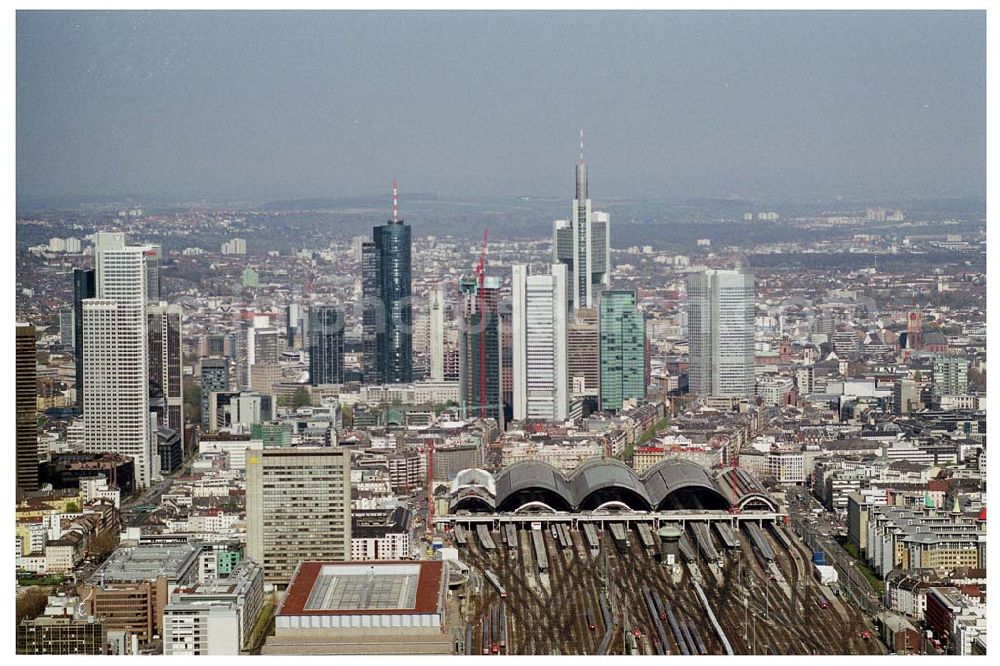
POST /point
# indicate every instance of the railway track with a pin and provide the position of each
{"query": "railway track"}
(752, 611)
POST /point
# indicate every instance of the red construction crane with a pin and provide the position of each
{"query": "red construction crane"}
(480, 272)
(430, 487)
(735, 463)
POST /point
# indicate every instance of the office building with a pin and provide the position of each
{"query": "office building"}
(583, 354)
(623, 349)
(298, 508)
(582, 244)
(129, 591)
(215, 617)
(165, 371)
(293, 325)
(905, 396)
(26, 401)
(479, 350)
(539, 341)
(154, 291)
(214, 377)
(115, 357)
(436, 351)
(387, 318)
(951, 375)
(381, 534)
(720, 333)
(326, 345)
(263, 346)
(66, 328)
(403, 612)
(61, 634)
(84, 287)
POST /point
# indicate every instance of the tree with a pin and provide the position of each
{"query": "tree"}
(348, 415)
(192, 403)
(72, 507)
(103, 543)
(31, 604)
(301, 398)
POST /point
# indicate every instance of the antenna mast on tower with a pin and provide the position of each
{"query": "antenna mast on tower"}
(395, 202)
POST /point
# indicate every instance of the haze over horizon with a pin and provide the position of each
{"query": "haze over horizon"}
(287, 105)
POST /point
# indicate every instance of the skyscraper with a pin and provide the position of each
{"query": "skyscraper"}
(720, 333)
(115, 357)
(263, 345)
(66, 328)
(387, 318)
(26, 403)
(582, 243)
(293, 324)
(539, 341)
(623, 349)
(583, 347)
(214, 377)
(326, 345)
(84, 287)
(298, 508)
(154, 291)
(437, 334)
(479, 350)
(165, 371)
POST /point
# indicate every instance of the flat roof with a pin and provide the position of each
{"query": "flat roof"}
(354, 588)
(147, 561)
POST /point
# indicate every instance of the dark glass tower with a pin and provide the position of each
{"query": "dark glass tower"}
(326, 345)
(26, 394)
(163, 332)
(480, 350)
(387, 318)
(84, 287)
(214, 377)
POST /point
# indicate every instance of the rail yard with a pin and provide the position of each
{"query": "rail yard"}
(540, 589)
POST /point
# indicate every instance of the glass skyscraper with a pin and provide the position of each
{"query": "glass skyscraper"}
(479, 350)
(84, 287)
(326, 345)
(387, 317)
(720, 333)
(582, 245)
(623, 349)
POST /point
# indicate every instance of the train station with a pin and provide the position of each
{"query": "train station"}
(678, 560)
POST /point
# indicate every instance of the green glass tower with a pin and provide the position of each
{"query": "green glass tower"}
(623, 349)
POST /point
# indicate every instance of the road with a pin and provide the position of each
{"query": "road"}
(152, 496)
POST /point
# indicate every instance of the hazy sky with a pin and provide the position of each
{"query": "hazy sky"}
(674, 104)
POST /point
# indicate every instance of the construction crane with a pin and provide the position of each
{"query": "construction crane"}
(480, 273)
(430, 487)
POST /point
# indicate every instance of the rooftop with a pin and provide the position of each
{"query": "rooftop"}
(350, 588)
(147, 562)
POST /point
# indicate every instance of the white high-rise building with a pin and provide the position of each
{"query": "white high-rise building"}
(263, 344)
(582, 244)
(539, 340)
(437, 334)
(116, 369)
(720, 333)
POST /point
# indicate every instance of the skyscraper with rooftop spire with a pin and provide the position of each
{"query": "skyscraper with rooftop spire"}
(582, 243)
(387, 315)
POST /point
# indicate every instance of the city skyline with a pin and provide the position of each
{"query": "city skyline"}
(867, 89)
(591, 421)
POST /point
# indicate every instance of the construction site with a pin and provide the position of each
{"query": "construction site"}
(610, 587)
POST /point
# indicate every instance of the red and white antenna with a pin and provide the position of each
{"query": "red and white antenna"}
(581, 146)
(395, 201)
